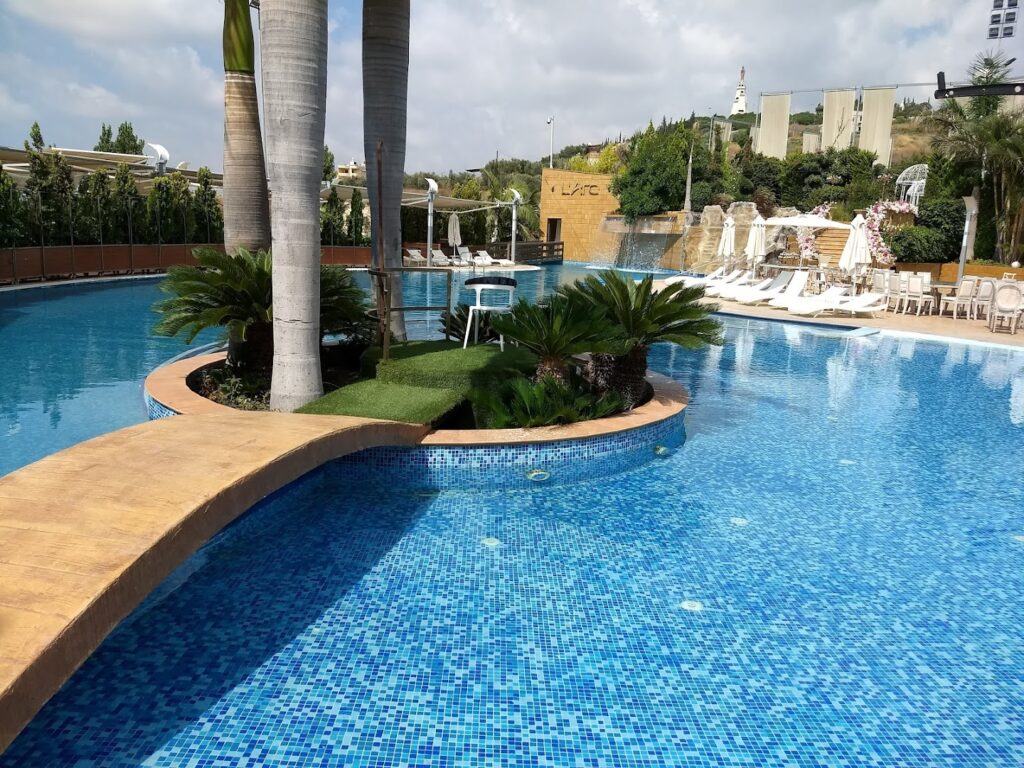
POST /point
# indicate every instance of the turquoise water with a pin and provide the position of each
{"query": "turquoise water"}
(828, 572)
(75, 356)
(73, 361)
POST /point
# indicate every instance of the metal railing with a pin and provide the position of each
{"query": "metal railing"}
(382, 281)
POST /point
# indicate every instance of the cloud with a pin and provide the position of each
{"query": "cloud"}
(484, 76)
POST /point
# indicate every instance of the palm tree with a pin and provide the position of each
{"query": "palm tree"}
(556, 331)
(294, 45)
(246, 203)
(236, 293)
(982, 136)
(643, 316)
(385, 97)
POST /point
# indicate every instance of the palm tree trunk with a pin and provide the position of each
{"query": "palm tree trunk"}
(246, 203)
(294, 45)
(385, 97)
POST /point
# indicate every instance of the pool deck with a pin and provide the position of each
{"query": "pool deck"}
(87, 533)
(945, 328)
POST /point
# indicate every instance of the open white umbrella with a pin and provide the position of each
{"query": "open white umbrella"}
(727, 243)
(856, 254)
(454, 233)
(757, 245)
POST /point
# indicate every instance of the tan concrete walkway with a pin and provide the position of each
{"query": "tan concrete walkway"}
(87, 533)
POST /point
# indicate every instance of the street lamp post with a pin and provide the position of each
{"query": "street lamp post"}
(431, 194)
(551, 142)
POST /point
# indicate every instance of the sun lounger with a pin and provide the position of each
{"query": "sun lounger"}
(415, 257)
(745, 280)
(438, 259)
(462, 256)
(690, 280)
(484, 259)
(811, 306)
(864, 303)
(720, 281)
(733, 289)
(791, 286)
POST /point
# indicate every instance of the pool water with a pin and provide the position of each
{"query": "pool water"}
(74, 357)
(828, 573)
(73, 361)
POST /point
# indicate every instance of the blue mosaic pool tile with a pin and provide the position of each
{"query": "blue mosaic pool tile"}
(156, 409)
(512, 466)
(826, 573)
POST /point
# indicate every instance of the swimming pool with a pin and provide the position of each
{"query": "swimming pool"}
(828, 572)
(75, 356)
(74, 359)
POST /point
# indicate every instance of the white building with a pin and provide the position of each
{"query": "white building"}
(739, 102)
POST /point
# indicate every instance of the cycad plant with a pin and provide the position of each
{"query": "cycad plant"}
(641, 317)
(231, 292)
(556, 331)
(541, 403)
(236, 294)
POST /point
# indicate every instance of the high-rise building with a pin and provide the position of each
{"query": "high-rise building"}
(739, 102)
(1002, 22)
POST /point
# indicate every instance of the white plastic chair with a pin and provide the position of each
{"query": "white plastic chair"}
(962, 297)
(1007, 305)
(504, 286)
(896, 291)
(982, 300)
(916, 294)
(415, 256)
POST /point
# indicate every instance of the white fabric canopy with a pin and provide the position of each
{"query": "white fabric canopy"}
(454, 231)
(757, 245)
(856, 254)
(807, 221)
(727, 243)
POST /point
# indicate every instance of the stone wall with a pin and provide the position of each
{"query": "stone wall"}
(581, 201)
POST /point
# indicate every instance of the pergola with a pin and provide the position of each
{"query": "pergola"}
(432, 201)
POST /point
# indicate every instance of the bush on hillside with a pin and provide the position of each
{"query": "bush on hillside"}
(946, 217)
(918, 244)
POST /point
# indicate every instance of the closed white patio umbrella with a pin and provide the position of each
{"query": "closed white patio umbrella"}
(856, 254)
(454, 233)
(757, 242)
(727, 243)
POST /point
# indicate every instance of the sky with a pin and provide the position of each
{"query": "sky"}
(484, 75)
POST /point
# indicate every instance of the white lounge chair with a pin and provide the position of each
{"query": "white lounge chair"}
(733, 289)
(484, 259)
(718, 282)
(743, 281)
(794, 287)
(462, 256)
(864, 303)
(415, 257)
(812, 306)
(690, 280)
(438, 259)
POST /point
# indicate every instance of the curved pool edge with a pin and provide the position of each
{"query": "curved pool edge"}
(493, 459)
(93, 529)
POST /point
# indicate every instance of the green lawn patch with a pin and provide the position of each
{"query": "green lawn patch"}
(446, 365)
(383, 400)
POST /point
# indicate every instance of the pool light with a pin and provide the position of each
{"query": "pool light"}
(693, 606)
(538, 475)
(490, 542)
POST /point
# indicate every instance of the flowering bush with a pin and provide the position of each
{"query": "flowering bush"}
(805, 237)
(876, 215)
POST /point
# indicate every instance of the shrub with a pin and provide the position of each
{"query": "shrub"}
(765, 201)
(826, 194)
(918, 244)
(458, 319)
(541, 403)
(945, 216)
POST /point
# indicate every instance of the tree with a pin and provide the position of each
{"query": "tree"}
(642, 317)
(106, 142)
(330, 170)
(127, 142)
(246, 200)
(10, 211)
(385, 104)
(355, 219)
(294, 44)
(124, 202)
(35, 136)
(332, 220)
(655, 176)
(206, 211)
(92, 208)
(988, 144)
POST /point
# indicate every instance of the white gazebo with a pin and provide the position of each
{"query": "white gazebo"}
(911, 183)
